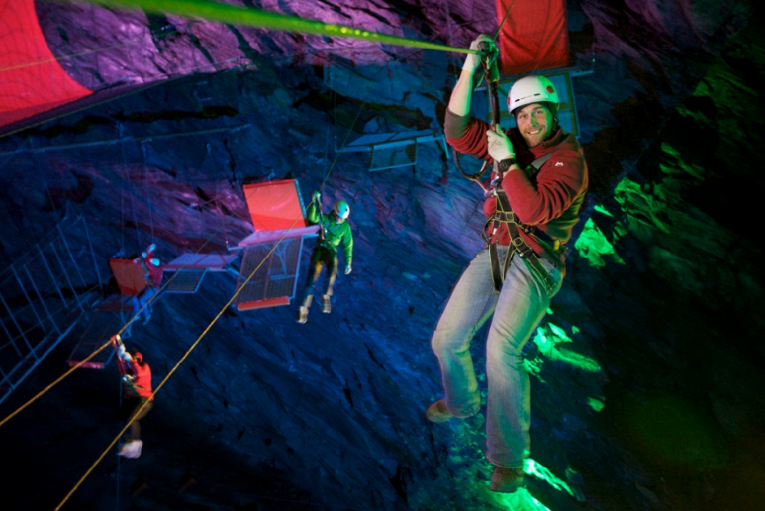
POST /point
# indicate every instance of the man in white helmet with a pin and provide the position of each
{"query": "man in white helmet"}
(334, 231)
(532, 208)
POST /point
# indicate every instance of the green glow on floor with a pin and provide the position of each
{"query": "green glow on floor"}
(534, 367)
(639, 206)
(522, 500)
(596, 403)
(519, 500)
(593, 246)
(533, 468)
(673, 156)
(600, 209)
(577, 360)
(547, 339)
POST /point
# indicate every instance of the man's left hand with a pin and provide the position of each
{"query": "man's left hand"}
(347, 269)
(500, 147)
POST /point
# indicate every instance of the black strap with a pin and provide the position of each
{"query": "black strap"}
(537, 164)
(497, 274)
(505, 215)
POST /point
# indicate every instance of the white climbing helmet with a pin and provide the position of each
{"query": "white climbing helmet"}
(532, 89)
(342, 210)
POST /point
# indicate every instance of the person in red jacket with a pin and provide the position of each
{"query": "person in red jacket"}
(137, 397)
(538, 187)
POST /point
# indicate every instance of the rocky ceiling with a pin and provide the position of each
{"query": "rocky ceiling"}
(644, 390)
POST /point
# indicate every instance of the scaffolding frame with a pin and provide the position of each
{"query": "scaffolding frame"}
(43, 294)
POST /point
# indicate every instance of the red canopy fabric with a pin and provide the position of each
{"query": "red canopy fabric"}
(31, 80)
(275, 205)
(534, 36)
(129, 276)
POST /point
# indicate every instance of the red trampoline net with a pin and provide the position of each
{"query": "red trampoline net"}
(275, 205)
(31, 80)
(534, 36)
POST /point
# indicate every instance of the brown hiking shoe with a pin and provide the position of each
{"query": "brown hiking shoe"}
(507, 480)
(438, 412)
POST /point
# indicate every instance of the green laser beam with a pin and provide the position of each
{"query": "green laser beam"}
(256, 18)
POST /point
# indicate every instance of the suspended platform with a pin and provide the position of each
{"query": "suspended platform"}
(270, 268)
(392, 150)
(188, 270)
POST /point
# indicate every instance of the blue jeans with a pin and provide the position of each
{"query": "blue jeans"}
(517, 311)
(140, 304)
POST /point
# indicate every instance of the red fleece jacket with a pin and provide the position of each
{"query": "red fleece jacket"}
(141, 384)
(549, 200)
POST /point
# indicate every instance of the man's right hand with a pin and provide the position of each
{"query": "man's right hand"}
(473, 60)
(316, 196)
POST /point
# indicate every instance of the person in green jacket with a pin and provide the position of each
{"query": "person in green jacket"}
(334, 231)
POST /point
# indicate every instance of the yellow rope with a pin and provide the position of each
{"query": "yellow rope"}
(175, 367)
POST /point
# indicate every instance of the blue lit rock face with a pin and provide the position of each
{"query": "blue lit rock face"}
(642, 376)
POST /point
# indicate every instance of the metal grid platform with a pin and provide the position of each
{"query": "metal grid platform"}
(185, 281)
(269, 279)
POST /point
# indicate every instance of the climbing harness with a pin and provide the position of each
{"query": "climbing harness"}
(505, 215)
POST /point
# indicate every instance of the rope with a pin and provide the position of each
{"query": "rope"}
(45, 181)
(185, 356)
(145, 185)
(507, 14)
(143, 88)
(175, 367)
(100, 349)
(126, 179)
(256, 18)
(91, 51)
(337, 153)
(40, 323)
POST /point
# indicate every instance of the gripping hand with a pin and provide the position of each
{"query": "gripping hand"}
(316, 196)
(149, 250)
(500, 147)
(473, 60)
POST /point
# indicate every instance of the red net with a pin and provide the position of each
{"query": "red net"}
(534, 36)
(31, 80)
(274, 205)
